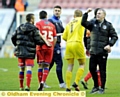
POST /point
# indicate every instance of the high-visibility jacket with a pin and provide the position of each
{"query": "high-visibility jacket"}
(19, 5)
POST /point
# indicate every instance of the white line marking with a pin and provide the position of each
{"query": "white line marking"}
(3, 69)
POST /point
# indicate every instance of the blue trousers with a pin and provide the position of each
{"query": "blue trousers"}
(57, 58)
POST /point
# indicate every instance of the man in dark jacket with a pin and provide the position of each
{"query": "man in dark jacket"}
(87, 45)
(103, 37)
(25, 39)
(57, 58)
(87, 33)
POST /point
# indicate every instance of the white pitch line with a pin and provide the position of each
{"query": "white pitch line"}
(3, 69)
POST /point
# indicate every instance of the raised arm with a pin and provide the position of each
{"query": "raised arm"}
(85, 23)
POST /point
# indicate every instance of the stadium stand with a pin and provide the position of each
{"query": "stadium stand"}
(84, 4)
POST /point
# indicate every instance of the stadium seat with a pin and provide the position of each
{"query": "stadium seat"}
(50, 5)
(93, 5)
(42, 5)
(52, 1)
(72, 3)
(65, 5)
(84, 4)
(79, 4)
(109, 4)
(114, 5)
(100, 4)
(57, 2)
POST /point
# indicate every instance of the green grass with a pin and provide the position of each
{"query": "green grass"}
(9, 79)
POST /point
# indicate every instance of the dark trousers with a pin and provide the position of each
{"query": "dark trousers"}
(100, 60)
(57, 58)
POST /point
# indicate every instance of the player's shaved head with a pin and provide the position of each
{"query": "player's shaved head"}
(43, 14)
(77, 13)
(57, 6)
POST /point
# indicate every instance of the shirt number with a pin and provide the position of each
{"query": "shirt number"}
(48, 35)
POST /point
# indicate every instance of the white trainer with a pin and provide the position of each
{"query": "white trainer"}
(62, 85)
(46, 86)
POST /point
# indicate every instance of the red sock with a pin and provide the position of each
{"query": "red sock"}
(87, 77)
(28, 78)
(99, 79)
(40, 73)
(45, 74)
(21, 78)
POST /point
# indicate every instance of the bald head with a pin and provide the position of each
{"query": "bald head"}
(77, 13)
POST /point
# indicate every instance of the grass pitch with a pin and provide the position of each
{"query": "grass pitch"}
(9, 77)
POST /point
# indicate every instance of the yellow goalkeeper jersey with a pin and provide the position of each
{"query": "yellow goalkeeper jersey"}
(74, 31)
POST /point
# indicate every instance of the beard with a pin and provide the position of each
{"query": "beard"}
(33, 23)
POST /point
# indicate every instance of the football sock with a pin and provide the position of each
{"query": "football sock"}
(99, 79)
(21, 78)
(68, 78)
(78, 75)
(28, 78)
(45, 74)
(40, 73)
(87, 77)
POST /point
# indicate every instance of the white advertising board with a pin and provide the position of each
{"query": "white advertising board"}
(6, 18)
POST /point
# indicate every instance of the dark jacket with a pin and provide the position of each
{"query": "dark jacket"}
(58, 25)
(100, 35)
(86, 38)
(25, 40)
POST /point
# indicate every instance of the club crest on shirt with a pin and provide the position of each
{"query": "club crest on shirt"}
(58, 51)
(104, 57)
(56, 23)
(104, 27)
(95, 25)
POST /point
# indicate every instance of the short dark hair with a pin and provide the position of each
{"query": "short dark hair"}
(29, 17)
(57, 6)
(43, 14)
(95, 11)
